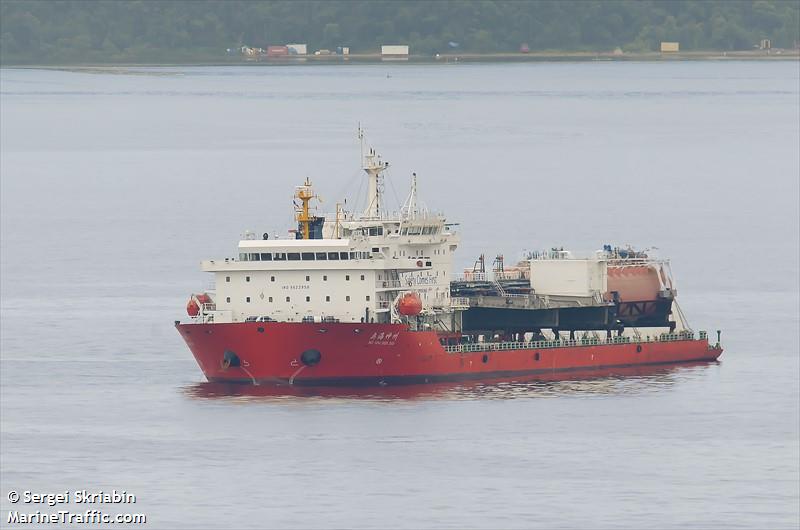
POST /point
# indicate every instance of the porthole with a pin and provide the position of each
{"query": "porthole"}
(260, 329)
(485, 358)
(536, 356)
(638, 348)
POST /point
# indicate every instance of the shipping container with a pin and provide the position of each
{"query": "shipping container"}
(670, 46)
(298, 49)
(277, 51)
(394, 50)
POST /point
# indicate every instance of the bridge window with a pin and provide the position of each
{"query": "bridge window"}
(228, 299)
(322, 256)
(255, 257)
(342, 255)
(266, 256)
(353, 255)
(279, 256)
(362, 277)
(247, 299)
(294, 256)
(308, 256)
(333, 255)
(347, 277)
(228, 279)
(272, 278)
(325, 278)
(327, 298)
(367, 298)
(247, 278)
(308, 278)
(270, 299)
(347, 298)
(308, 298)
(242, 257)
(288, 299)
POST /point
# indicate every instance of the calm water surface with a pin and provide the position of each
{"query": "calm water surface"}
(115, 185)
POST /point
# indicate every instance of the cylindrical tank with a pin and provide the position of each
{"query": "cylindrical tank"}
(634, 283)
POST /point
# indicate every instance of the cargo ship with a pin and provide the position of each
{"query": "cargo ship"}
(369, 298)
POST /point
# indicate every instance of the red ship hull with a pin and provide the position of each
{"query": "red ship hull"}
(352, 353)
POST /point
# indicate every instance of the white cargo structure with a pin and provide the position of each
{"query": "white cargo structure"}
(564, 276)
(297, 49)
(394, 51)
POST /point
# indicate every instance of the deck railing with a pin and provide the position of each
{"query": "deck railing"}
(388, 284)
(588, 341)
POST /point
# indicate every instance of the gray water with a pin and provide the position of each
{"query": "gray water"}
(115, 184)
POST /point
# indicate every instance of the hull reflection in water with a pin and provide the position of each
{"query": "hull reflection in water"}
(610, 381)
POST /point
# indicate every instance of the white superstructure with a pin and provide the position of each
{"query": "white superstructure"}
(346, 267)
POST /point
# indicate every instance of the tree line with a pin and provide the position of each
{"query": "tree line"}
(103, 31)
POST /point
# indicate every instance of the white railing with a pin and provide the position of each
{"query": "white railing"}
(459, 301)
(589, 341)
(472, 277)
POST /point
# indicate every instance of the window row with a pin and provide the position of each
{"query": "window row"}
(419, 230)
(289, 299)
(302, 256)
(308, 278)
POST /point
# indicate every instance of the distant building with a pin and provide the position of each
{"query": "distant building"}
(670, 47)
(394, 51)
(297, 49)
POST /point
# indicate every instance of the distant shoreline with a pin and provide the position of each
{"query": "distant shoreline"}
(517, 57)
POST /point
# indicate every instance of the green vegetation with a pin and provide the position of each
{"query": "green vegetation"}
(80, 32)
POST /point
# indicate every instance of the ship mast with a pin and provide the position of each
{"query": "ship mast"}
(305, 193)
(410, 207)
(373, 166)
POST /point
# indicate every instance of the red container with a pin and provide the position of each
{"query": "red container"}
(277, 51)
